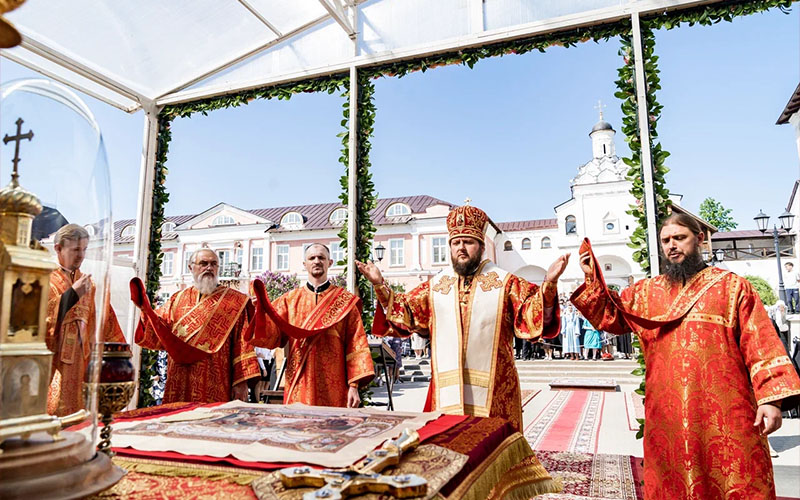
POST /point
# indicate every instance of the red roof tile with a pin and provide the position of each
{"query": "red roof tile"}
(523, 225)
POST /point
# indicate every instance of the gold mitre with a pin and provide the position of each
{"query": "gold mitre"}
(9, 36)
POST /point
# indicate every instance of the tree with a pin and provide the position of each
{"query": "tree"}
(762, 289)
(712, 211)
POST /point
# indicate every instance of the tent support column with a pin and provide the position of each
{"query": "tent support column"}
(144, 210)
(644, 136)
(352, 186)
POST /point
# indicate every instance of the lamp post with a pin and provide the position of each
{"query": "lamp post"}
(762, 221)
(379, 250)
(716, 256)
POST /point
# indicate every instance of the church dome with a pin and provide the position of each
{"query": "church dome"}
(15, 199)
(601, 125)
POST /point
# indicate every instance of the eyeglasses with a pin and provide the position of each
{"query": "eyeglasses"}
(207, 263)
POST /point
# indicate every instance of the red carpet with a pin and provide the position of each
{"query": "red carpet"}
(569, 422)
(593, 476)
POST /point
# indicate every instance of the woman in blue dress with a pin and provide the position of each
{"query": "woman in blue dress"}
(592, 341)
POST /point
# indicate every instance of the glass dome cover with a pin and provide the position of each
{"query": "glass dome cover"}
(54, 150)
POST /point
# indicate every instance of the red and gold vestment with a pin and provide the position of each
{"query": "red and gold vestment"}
(326, 345)
(71, 341)
(471, 323)
(211, 329)
(712, 357)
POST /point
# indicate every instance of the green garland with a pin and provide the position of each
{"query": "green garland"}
(366, 199)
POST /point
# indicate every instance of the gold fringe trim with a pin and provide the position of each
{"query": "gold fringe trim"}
(513, 450)
(172, 469)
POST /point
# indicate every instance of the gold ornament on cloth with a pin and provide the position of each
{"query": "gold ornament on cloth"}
(9, 36)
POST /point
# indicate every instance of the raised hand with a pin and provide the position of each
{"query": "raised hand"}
(586, 263)
(138, 295)
(371, 272)
(82, 285)
(557, 268)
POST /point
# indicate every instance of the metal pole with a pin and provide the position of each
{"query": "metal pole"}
(352, 187)
(144, 212)
(781, 289)
(644, 136)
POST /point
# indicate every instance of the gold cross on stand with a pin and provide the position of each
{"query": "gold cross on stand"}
(17, 138)
(363, 477)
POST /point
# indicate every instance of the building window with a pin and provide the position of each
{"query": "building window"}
(397, 209)
(546, 242)
(187, 259)
(166, 263)
(508, 246)
(396, 256)
(282, 257)
(526, 244)
(439, 254)
(570, 225)
(292, 220)
(338, 216)
(337, 252)
(128, 231)
(223, 220)
(257, 259)
(224, 258)
(167, 227)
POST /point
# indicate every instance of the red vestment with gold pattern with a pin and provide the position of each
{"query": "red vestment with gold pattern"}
(320, 367)
(712, 357)
(521, 314)
(212, 325)
(71, 342)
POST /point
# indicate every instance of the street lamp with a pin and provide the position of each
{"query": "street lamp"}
(379, 251)
(762, 221)
(716, 257)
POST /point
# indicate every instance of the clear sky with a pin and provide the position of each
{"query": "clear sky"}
(509, 133)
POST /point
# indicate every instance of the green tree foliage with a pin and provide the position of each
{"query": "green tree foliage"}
(763, 289)
(713, 211)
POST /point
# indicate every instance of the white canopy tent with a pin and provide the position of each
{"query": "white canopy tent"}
(150, 53)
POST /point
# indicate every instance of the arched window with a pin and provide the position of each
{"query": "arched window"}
(546, 242)
(570, 225)
(507, 246)
(167, 227)
(292, 220)
(397, 209)
(89, 229)
(223, 220)
(526, 244)
(128, 231)
(338, 216)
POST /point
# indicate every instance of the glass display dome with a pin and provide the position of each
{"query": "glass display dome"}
(56, 234)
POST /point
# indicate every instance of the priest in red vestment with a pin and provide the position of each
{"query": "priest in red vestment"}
(471, 311)
(71, 320)
(202, 329)
(328, 357)
(717, 374)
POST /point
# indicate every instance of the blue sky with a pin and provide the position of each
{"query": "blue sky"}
(509, 133)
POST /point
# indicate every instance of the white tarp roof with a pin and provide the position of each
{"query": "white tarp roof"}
(130, 53)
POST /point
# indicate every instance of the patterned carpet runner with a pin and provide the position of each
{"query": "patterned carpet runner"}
(588, 476)
(569, 422)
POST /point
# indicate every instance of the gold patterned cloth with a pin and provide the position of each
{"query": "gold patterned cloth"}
(436, 464)
(708, 368)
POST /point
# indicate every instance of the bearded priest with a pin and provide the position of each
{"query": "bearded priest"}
(717, 373)
(202, 329)
(471, 311)
(328, 357)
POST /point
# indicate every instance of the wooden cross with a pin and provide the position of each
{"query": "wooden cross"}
(17, 138)
(600, 107)
(363, 477)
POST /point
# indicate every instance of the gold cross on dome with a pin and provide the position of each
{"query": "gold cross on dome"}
(467, 201)
(599, 107)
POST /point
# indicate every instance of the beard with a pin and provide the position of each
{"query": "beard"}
(467, 267)
(206, 283)
(681, 272)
